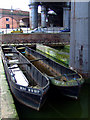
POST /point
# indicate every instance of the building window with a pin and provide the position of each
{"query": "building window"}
(7, 19)
(7, 26)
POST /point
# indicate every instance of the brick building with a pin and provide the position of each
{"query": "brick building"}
(13, 19)
(18, 18)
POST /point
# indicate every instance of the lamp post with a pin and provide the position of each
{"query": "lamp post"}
(12, 16)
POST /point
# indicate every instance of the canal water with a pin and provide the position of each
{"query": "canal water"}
(58, 106)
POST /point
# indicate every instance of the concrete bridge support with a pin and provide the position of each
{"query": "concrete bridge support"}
(80, 37)
(33, 14)
(43, 16)
(66, 17)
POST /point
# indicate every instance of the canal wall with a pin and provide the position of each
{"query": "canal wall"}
(7, 107)
(35, 38)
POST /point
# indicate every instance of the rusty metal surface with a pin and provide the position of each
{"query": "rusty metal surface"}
(79, 51)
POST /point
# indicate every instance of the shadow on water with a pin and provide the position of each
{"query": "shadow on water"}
(57, 106)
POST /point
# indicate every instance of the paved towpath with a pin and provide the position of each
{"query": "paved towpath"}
(7, 107)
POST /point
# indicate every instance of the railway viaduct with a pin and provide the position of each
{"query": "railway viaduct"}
(15, 18)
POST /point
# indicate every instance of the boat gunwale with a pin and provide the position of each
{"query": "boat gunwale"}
(41, 88)
(73, 71)
(35, 68)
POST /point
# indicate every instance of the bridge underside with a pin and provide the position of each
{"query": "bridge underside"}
(48, 17)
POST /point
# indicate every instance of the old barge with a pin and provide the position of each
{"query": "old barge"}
(27, 83)
(67, 81)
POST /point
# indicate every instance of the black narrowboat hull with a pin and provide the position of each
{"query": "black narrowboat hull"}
(73, 88)
(72, 92)
(31, 97)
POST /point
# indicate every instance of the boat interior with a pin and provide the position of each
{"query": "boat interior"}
(48, 67)
(21, 69)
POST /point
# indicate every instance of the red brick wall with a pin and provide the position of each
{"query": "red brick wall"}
(17, 16)
(3, 22)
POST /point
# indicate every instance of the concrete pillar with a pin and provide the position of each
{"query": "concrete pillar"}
(43, 16)
(80, 37)
(66, 17)
(33, 14)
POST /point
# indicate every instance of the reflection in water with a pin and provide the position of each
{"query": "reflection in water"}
(58, 106)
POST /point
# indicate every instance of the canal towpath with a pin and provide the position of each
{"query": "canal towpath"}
(7, 107)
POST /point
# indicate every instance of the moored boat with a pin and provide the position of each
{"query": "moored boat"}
(68, 82)
(27, 83)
